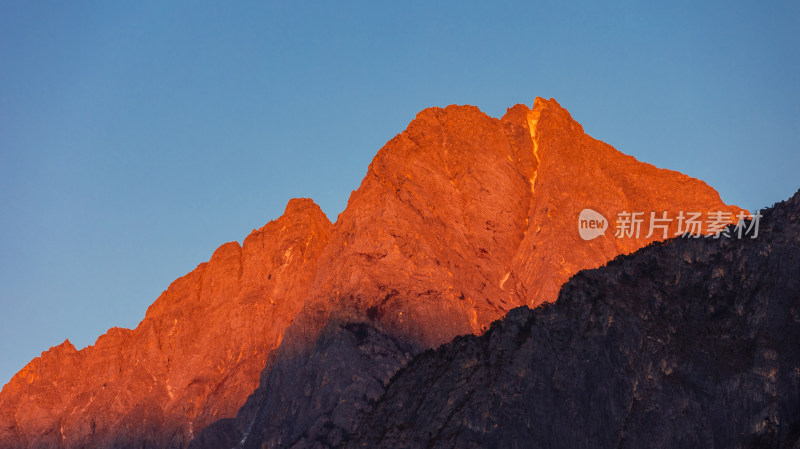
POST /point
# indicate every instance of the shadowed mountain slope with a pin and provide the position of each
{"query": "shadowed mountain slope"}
(692, 343)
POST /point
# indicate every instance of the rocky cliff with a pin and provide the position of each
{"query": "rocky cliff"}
(460, 218)
(194, 358)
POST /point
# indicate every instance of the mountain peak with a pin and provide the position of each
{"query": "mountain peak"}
(66, 345)
(549, 114)
(302, 206)
(193, 359)
(460, 218)
(463, 216)
(518, 110)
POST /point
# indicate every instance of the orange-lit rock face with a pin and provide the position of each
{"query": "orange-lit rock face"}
(460, 218)
(425, 240)
(577, 172)
(193, 359)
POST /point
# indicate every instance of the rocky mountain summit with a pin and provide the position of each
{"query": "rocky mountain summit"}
(290, 338)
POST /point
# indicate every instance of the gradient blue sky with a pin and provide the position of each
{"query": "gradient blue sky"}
(136, 138)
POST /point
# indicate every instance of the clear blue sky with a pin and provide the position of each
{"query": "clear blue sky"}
(136, 138)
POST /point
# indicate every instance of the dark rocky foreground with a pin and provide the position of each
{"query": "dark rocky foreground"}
(692, 343)
(314, 399)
